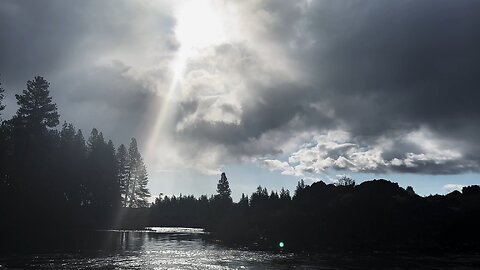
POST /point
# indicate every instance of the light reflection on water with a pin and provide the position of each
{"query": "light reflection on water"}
(184, 248)
(155, 248)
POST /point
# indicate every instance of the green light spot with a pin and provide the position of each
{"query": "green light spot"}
(281, 244)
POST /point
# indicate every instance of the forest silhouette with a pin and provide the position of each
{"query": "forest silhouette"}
(54, 178)
(51, 178)
(377, 214)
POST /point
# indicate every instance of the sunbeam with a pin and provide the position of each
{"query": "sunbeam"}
(199, 25)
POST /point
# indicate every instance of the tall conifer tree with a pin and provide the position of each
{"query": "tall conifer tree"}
(2, 96)
(36, 108)
(136, 186)
(123, 172)
(223, 188)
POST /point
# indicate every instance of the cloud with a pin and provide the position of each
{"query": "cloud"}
(104, 69)
(451, 187)
(299, 86)
(418, 151)
(284, 167)
(398, 82)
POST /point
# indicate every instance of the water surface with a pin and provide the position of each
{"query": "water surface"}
(184, 248)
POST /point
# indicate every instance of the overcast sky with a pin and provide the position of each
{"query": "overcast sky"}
(268, 91)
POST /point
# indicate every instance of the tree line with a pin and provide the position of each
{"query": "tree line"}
(51, 175)
(374, 215)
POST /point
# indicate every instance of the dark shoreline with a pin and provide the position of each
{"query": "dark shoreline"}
(375, 216)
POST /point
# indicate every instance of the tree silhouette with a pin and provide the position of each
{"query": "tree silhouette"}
(285, 194)
(79, 142)
(300, 187)
(345, 181)
(123, 172)
(223, 188)
(410, 190)
(133, 156)
(141, 192)
(102, 167)
(259, 197)
(32, 146)
(95, 140)
(71, 166)
(136, 190)
(36, 109)
(53, 178)
(243, 201)
(111, 188)
(5, 153)
(94, 145)
(2, 96)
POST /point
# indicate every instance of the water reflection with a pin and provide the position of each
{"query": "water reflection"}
(183, 249)
(156, 249)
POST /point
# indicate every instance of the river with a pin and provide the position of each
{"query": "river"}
(184, 248)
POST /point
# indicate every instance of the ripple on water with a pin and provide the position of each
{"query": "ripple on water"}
(185, 248)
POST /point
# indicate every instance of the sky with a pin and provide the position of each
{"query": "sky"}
(269, 92)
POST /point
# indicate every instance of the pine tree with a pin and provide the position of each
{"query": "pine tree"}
(112, 189)
(102, 184)
(3, 144)
(4, 134)
(80, 153)
(79, 141)
(36, 108)
(243, 201)
(223, 188)
(133, 157)
(66, 160)
(93, 168)
(299, 189)
(142, 191)
(71, 158)
(67, 134)
(81, 174)
(136, 186)
(123, 172)
(33, 144)
(2, 96)
(95, 141)
(285, 194)
(274, 196)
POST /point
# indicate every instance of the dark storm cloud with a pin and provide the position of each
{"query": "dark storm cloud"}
(409, 60)
(106, 99)
(415, 61)
(37, 36)
(378, 70)
(41, 36)
(398, 65)
(269, 110)
(78, 46)
(353, 85)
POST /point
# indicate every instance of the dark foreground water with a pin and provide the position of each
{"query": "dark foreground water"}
(174, 248)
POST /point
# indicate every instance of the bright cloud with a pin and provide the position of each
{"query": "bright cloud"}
(299, 87)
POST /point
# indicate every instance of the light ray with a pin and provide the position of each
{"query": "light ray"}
(164, 105)
(198, 26)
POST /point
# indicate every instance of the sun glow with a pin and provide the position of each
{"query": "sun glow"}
(198, 26)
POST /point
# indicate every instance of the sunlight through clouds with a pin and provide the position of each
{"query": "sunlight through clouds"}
(199, 26)
(204, 84)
